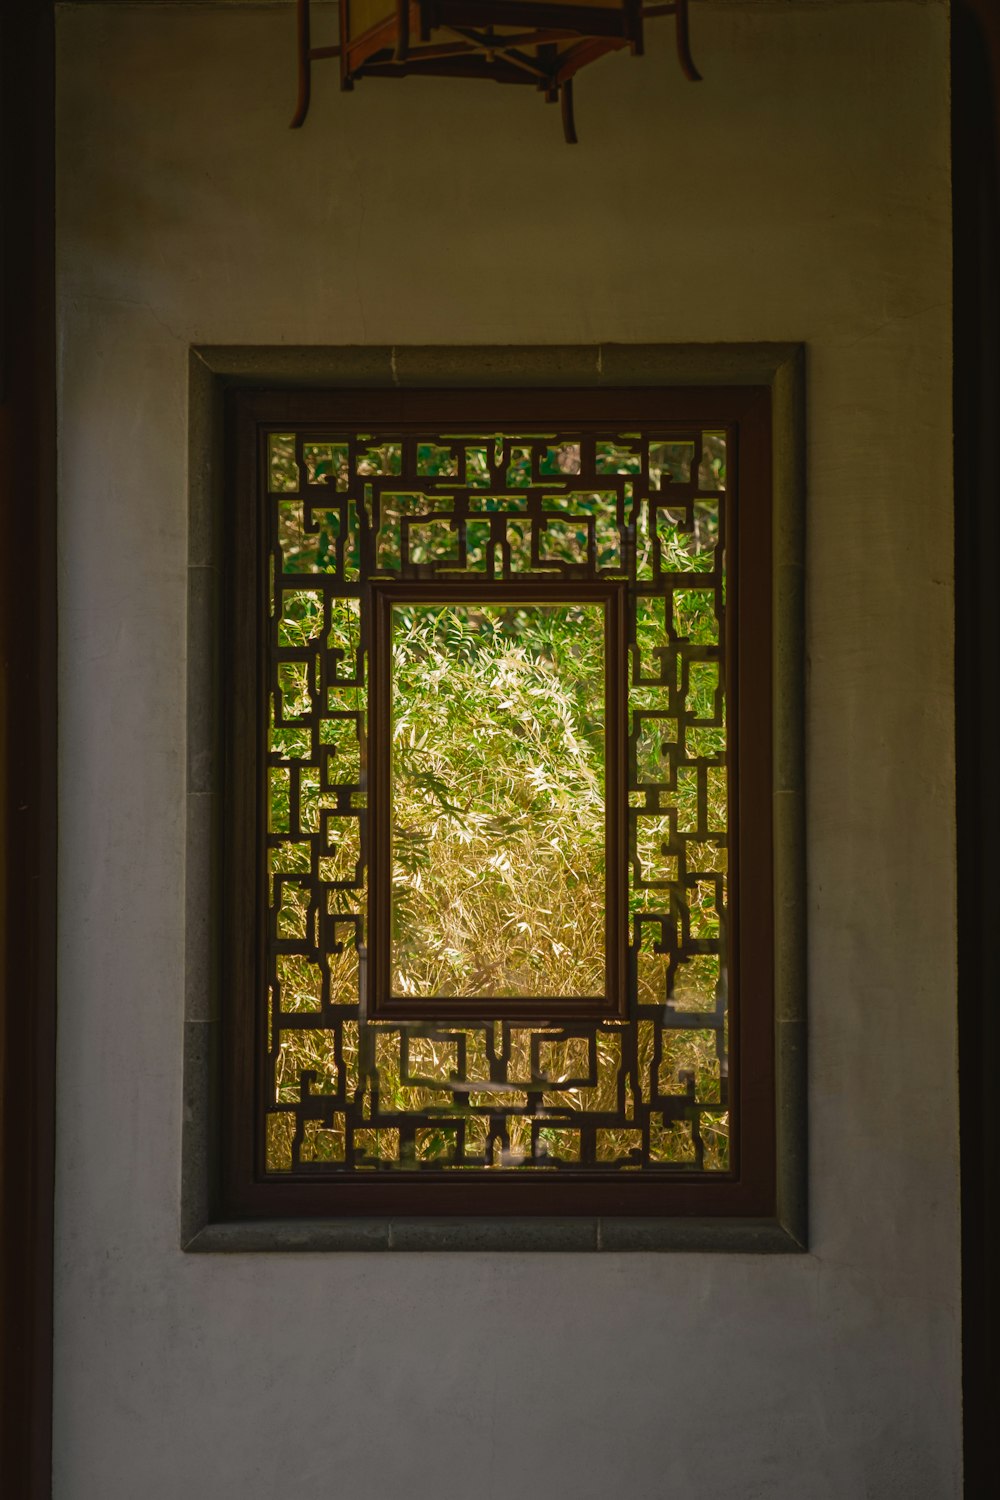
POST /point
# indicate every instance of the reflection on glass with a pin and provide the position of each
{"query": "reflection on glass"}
(498, 803)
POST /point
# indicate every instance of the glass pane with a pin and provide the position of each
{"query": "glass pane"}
(498, 800)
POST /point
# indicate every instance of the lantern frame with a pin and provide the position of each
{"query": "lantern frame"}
(542, 43)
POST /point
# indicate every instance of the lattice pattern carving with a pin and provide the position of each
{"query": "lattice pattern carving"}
(440, 1094)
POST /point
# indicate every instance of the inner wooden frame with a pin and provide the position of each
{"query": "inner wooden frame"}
(749, 1191)
(382, 1003)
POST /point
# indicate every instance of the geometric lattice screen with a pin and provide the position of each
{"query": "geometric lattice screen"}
(495, 943)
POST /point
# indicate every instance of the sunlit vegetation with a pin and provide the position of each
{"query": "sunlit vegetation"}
(498, 800)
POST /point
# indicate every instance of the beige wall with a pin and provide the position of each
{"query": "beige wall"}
(800, 193)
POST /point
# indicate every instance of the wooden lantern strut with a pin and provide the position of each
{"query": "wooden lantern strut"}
(539, 42)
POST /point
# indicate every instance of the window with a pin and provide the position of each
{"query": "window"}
(498, 791)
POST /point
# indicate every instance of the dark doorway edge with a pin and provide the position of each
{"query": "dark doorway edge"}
(976, 223)
(27, 744)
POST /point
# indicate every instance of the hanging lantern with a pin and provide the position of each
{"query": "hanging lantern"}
(543, 43)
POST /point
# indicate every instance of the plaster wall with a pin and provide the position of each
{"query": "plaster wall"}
(799, 193)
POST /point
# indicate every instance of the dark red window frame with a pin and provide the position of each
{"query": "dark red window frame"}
(748, 1188)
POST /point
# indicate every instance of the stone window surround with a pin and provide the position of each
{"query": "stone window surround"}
(215, 369)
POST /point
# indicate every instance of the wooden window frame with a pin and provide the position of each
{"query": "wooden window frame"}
(382, 1003)
(749, 1190)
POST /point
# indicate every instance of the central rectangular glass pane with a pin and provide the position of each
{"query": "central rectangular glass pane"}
(498, 808)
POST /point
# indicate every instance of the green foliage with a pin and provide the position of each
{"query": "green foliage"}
(498, 800)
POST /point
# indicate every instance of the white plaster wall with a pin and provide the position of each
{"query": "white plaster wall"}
(800, 192)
